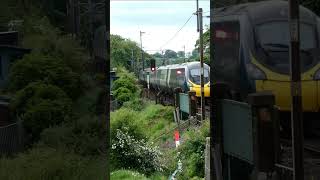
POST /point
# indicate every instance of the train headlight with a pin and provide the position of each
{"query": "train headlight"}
(317, 75)
(255, 73)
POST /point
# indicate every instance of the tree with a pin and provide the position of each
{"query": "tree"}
(121, 52)
(206, 47)
(170, 54)
(157, 55)
(180, 54)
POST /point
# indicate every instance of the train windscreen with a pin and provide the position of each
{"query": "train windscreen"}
(195, 75)
(273, 40)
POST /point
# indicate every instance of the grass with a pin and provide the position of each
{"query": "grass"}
(132, 175)
(127, 175)
(42, 163)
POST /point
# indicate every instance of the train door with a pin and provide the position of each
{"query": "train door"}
(172, 78)
(163, 79)
(226, 66)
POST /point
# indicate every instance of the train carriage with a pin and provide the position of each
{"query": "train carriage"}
(186, 76)
(252, 52)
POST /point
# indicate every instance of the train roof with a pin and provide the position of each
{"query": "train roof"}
(182, 65)
(264, 10)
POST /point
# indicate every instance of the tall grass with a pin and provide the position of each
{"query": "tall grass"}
(44, 163)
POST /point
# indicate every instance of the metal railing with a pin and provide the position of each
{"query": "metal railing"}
(11, 138)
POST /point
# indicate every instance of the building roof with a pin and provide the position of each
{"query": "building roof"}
(15, 48)
(9, 38)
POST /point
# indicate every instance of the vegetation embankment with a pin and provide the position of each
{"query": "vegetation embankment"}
(57, 101)
(142, 138)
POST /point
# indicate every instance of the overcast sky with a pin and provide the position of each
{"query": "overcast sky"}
(160, 20)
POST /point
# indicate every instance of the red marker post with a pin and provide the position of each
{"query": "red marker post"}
(177, 138)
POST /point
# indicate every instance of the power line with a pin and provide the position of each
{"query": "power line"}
(176, 33)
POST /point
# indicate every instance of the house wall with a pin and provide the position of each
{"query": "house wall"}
(4, 72)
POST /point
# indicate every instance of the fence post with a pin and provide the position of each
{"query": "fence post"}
(193, 103)
(207, 160)
(263, 123)
(177, 96)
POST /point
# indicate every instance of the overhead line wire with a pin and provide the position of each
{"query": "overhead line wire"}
(176, 32)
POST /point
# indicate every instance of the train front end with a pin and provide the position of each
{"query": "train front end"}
(194, 79)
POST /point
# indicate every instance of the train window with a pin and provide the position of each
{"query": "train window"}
(195, 75)
(273, 40)
(277, 33)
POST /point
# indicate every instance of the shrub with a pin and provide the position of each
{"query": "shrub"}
(127, 175)
(192, 151)
(135, 104)
(36, 67)
(85, 136)
(50, 164)
(40, 105)
(126, 120)
(125, 88)
(130, 153)
(41, 36)
(123, 95)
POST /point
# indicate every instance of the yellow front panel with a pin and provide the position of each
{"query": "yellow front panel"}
(279, 84)
(282, 92)
(197, 89)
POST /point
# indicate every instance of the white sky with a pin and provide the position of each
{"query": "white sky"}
(160, 20)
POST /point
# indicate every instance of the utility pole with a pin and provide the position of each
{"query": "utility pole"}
(163, 58)
(142, 50)
(107, 92)
(201, 63)
(184, 54)
(91, 27)
(198, 27)
(296, 111)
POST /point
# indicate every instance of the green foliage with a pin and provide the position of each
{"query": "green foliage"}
(126, 120)
(121, 52)
(50, 164)
(46, 39)
(157, 119)
(127, 175)
(131, 153)
(206, 47)
(125, 88)
(36, 67)
(84, 136)
(40, 106)
(192, 151)
(170, 54)
(135, 104)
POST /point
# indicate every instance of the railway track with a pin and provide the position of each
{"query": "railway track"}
(311, 157)
(310, 145)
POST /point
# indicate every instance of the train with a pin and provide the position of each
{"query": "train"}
(251, 53)
(164, 79)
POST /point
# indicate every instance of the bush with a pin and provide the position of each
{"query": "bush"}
(127, 175)
(41, 36)
(36, 67)
(125, 88)
(192, 151)
(40, 105)
(84, 137)
(126, 120)
(135, 104)
(129, 153)
(50, 164)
